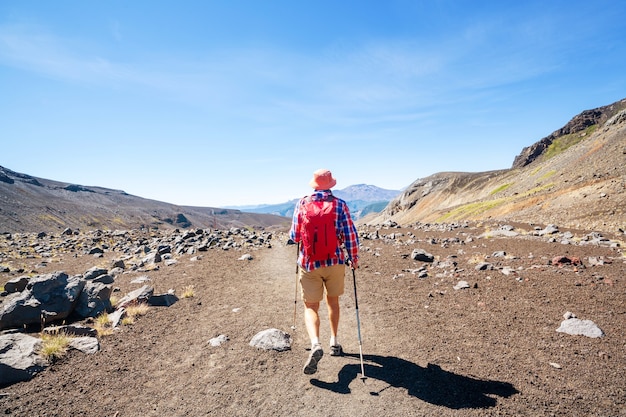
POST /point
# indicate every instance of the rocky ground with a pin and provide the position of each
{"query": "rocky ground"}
(429, 349)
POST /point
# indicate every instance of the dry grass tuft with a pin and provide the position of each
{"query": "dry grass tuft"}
(128, 320)
(188, 292)
(102, 324)
(134, 310)
(139, 309)
(54, 345)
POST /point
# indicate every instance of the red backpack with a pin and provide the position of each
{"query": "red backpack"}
(319, 234)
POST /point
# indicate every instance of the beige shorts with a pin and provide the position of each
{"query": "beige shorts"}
(314, 282)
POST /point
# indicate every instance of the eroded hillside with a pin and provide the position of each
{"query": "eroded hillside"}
(30, 204)
(577, 179)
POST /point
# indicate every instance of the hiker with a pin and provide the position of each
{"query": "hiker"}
(321, 225)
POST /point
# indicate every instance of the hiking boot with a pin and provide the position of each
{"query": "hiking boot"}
(336, 350)
(310, 367)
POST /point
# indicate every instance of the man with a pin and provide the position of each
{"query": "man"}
(322, 268)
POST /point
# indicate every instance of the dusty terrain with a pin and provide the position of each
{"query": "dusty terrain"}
(429, 349)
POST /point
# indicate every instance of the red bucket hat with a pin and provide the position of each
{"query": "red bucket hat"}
(322, 180)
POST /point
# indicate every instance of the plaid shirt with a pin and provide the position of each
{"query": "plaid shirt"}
(346, 232)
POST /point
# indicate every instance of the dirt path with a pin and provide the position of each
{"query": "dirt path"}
(428, 349)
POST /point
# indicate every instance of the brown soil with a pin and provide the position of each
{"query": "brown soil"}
(428, 349)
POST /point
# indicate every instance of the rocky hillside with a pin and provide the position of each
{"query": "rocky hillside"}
(575, 177)
(30, 204)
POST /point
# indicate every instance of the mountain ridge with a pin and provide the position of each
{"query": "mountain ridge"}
(361, 199)
(29, 204)
(575, 177)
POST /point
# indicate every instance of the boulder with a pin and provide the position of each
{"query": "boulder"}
(272, 339)
(16, 284)
(142, 294)
(46, 298)
(162, 300)
(19, 360)
(116, 317)
(219, 340)
(85, 344)
(94, 299)
(578, 327)
(94, 273)
(422, 255)
(77, 330)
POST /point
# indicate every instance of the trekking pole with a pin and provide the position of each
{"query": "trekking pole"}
(295, 298)
(358, 325)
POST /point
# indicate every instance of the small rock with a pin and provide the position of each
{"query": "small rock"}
(219, 340)
(484, 266)
(461, 285)
(569, 315)
(85, 344)
(578, 327)
(422, 256)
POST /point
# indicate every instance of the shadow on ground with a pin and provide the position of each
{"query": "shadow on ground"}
(431, 384)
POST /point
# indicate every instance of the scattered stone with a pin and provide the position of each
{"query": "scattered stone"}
(16, 284)
(140, 280)
(461, 285)
(163, 300)
(564, 260)
(422, 256)
(549, 230)
(597, 261)
(19, 360)
(115, 318)
(219, 340)
(555, 365)
(85, 344)
(272, 339)
(71, 330)
(94, 299)
(46, 298)
(246, 257)
(137, 296)
(484, 266)
(569, 315)
(95, 251)
(576, 327)
(94, 273)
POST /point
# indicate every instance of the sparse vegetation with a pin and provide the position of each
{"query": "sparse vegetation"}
(547, 174)
(501, 188)
(566, 141)
(188, 292)
(102, 325)
(54, 345)
(114, 299)
(476, 259)
(128, 320)
(139, 309)
(471, 209)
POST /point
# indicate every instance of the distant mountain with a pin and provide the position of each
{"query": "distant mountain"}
(361, 199)
(364, 192)
(29, 204)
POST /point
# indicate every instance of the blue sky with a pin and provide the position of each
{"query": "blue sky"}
(217, 103)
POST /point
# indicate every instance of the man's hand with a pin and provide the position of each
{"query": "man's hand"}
(352, 263)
